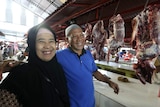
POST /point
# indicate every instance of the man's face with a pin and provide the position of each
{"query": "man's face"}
(76, 40)
(45, 45)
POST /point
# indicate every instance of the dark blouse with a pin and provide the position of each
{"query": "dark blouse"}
(34, 88)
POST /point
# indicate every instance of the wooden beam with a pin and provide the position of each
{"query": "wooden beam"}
(85, 10)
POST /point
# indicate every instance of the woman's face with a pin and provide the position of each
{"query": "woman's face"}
(45, 45)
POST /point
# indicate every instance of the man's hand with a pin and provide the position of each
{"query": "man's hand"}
(7, 65)
(114, 86)
(107, 80)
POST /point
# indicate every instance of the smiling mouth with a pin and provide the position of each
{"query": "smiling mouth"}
(46, 52)
(80, 44)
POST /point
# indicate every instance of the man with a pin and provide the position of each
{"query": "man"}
(79, 67)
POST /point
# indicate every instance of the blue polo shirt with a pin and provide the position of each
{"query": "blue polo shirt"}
(78, 71)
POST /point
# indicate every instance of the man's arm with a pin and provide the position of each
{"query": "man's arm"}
(107, 80)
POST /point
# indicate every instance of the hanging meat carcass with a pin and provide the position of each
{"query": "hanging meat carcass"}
(145, 39)
(154, 22)
(116, 35)
(99, 39)
(88, 32)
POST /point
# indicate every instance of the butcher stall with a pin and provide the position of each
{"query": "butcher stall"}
(132, 93)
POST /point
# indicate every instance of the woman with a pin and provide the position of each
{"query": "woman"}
(40, 82)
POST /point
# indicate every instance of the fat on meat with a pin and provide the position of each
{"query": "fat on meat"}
(145, 39)
(116, 30)
(99, 39)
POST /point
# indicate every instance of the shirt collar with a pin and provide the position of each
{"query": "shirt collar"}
(83, 51)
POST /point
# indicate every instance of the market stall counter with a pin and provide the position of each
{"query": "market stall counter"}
(132, 93)
(123, 68)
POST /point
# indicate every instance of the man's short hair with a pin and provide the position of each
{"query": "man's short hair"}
(69, 28)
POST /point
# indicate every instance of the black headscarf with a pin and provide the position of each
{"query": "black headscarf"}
(32, 34)
(52, 75)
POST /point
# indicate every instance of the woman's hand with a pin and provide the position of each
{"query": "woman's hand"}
(7, 65)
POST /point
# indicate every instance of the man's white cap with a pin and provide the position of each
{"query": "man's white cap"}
(69, 28)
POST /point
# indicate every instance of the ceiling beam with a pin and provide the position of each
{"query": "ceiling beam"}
(134, 10)
(122, 13)
(86, 10)
(79, 4)
(59, 10)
